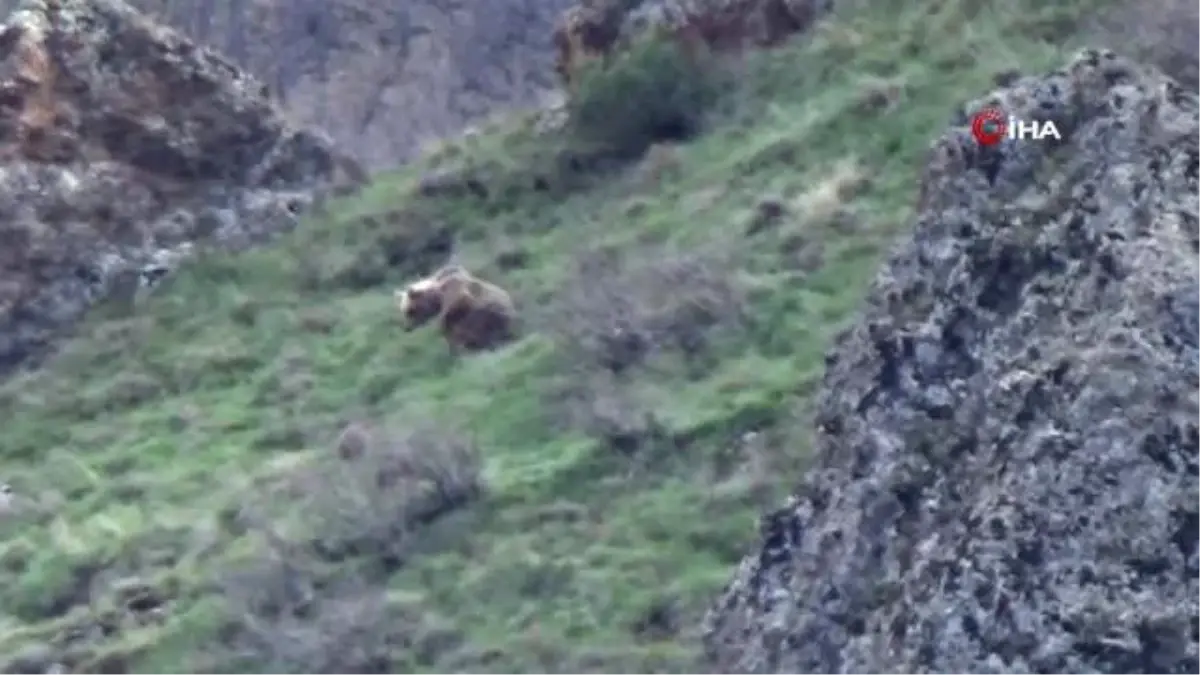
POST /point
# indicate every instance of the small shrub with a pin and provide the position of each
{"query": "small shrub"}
(313, 599)
(287, 615)
(657, 90)
(369, 506)
(612, 412)
(613, 313)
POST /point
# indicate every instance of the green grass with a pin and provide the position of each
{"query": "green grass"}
(136, 446)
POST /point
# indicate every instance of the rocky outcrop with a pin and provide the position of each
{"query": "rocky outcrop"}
(384, 79)
(122, 143)
(593, 30)
(1006, 469)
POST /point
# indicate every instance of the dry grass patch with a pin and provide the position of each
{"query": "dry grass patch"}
(821, 201)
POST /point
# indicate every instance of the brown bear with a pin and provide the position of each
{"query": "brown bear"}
(474, 315)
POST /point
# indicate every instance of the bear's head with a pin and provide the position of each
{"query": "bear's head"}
(419, 302)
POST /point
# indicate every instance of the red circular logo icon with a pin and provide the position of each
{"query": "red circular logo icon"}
(989, 126)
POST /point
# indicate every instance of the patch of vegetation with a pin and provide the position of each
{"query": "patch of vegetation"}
(258, 471)
(657, 90)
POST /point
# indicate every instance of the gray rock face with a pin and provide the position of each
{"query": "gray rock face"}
(121, 143)
(1006, 478)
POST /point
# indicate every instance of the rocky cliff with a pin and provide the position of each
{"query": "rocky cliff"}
(384, 79)
(121, 144)
(1006, 470)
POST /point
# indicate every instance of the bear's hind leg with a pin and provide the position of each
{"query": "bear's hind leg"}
(492, 329)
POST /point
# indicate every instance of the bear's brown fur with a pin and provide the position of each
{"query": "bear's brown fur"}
(474, 315)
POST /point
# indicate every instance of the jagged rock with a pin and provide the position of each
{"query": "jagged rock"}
(1006, 469)
(594, 29)
(122, 142)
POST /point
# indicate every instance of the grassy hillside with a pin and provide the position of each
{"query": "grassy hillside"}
(181, 503)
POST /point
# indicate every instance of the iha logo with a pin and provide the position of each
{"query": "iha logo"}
(991, 125)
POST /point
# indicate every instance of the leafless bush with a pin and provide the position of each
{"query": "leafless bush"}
(370, 505)
(287, 615)
(615, 312)
(348, 634)
(1165, 33)
(313, 599)
(611, 411)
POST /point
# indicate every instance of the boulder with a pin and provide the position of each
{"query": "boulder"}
(594, 29)
(1005, 476)
(122, 143)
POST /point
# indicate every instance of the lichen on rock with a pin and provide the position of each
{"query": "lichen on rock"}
(1006, 469)
(122, 142)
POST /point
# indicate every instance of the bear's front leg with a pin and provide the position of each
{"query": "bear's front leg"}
(453, 341)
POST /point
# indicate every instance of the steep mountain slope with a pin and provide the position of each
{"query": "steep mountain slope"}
(177, 498)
